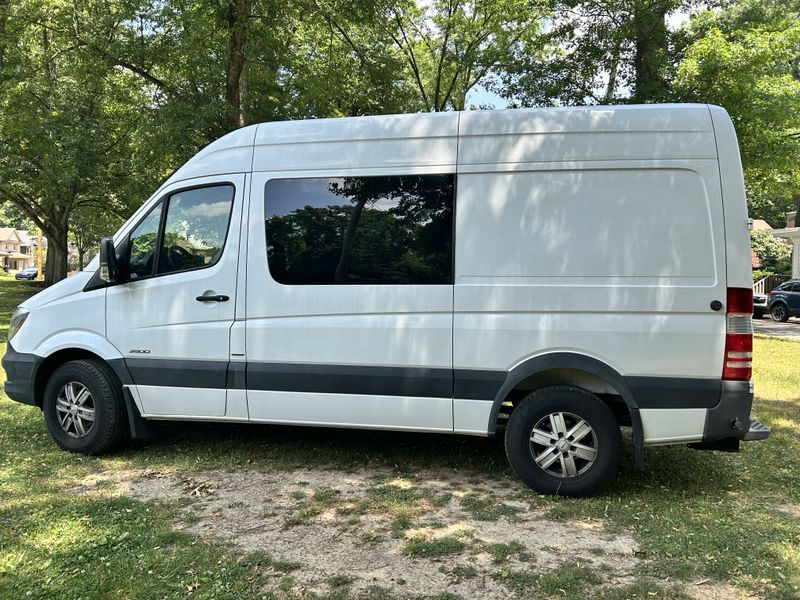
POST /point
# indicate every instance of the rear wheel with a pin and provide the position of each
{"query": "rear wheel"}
(563, 440)
(83, 407)
(779, 312)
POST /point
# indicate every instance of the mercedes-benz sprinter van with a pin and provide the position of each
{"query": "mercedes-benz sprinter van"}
(548, 275)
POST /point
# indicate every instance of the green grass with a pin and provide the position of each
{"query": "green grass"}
(443, 546)
(726, 517)
(486, 508)
(500, 553)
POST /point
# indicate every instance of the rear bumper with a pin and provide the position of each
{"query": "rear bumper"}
(729, 422)
(20, 369)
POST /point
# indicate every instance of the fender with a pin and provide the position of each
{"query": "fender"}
(78, 340)
(578, 362)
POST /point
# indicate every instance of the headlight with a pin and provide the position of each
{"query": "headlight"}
(17, 319)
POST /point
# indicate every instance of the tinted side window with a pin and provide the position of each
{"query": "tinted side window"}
(195, 228)
(143, 242)
(360, 230)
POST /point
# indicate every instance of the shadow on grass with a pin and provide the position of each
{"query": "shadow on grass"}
(196, 445)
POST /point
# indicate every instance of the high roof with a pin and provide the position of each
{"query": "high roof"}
(266, 146)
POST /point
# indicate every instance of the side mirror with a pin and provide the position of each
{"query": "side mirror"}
(109, 269)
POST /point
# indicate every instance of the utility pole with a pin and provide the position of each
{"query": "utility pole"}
(39, 252)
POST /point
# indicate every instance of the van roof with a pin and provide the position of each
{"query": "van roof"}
(234, 152)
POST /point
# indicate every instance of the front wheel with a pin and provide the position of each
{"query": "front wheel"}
(779, 312)
(83, 407)
(563, 440)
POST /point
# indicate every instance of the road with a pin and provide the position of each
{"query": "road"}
(766, 326)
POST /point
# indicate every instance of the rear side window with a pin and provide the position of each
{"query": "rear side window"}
(360, 230)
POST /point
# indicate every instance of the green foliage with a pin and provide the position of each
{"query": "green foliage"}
(12, 216)
(775, 253)
(761, 273)
(746, 59)
(100, 100)
(450, 46)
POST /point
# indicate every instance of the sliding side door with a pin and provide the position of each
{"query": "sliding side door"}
(350, 298)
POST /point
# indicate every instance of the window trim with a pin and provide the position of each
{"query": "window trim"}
(164, 200)
(452, 274)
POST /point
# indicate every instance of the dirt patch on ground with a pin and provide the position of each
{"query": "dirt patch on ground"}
(415, 536)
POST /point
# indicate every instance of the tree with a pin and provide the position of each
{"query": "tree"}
(87, 226)
(599, 51)
(451, 46)
(335, 61)
(65, 128)
(12, 216)
(747, 59)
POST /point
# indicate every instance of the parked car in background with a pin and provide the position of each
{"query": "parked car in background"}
(759, 305)
(784, 301)
(29, 273)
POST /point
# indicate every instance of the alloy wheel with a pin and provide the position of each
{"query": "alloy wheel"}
(75, 409)
(563, 444)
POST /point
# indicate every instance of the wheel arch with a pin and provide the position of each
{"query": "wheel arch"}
(64, 353)
(572, 369)
(780, 301)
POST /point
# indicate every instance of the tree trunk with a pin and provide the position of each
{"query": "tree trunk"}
(55, 266)
(650, 26)
(236, 63)
(347, 242)
(613, 68)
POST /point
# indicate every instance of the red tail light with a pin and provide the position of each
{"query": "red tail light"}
(739, 337)
(772, 292)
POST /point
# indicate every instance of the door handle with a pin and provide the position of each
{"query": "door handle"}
(213, 298)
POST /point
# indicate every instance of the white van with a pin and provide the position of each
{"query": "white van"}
(551, 275)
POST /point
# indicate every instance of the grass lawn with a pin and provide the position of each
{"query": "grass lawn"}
(700, 518)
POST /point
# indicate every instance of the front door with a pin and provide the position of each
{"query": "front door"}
(172, 318)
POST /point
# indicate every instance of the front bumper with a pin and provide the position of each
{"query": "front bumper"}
(729, 422)
(20, 369)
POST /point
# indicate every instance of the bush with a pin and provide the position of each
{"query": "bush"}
(760, 274)
(775, 254)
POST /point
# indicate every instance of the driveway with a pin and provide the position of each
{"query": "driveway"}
(766, 326)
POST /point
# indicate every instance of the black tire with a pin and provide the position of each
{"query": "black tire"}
(779, 312)
(110, 422)
(573, 404)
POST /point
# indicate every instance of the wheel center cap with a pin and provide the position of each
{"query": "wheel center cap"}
(562, 445)
(73, 409)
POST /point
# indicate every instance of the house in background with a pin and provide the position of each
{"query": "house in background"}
(15, 253)
(791, 233)
(30, 246)
(758, 225)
